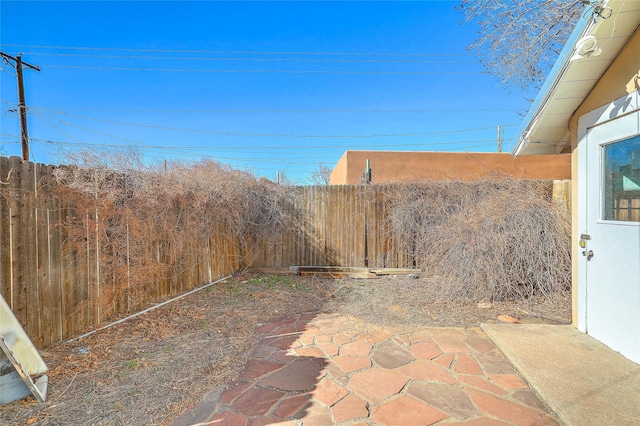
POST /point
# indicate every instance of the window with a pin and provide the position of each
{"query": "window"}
(621, 189)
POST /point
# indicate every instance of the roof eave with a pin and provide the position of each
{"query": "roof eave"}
(583, 27)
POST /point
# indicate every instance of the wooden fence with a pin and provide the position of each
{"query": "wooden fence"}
(57, 290)
(343, 225)
(346, 225)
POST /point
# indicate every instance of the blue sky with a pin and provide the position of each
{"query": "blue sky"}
(263, 86)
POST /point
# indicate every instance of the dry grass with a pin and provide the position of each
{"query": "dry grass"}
(152, 368)
(405, 301)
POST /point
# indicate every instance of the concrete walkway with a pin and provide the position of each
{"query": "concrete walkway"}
(331, 369)
(583, 381)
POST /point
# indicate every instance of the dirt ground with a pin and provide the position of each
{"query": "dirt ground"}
(150, 369)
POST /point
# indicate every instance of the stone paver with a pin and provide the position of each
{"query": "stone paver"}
(494, 363)
(310, 351)
(349, 408)
(406, 410)
(376, 384)
(481, 383)
(257, 368)
(329, 392)
(509, 381)
(349, 363)
(234, 390)
(390, 354)
(329, 349)
(506, 410)
(257, 401)
(445, 360)
(529, 398)
(451, 399)
(426, 350)
(228, 418)
(466, 364)
(324, 369)
(423, 370)
(356, 349)
(480, 344)
(480, 421)
(300, 375)
(315, 415)
(291, 405)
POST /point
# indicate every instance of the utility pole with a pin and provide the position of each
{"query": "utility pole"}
(499, 139)
(22, 106)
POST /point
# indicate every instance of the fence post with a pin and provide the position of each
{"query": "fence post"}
(561, 194)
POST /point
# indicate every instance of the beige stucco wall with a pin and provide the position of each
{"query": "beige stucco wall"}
(398, 166)
(620, 79)
(339, 172)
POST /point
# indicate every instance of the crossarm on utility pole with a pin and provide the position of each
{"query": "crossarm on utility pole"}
(22, 106)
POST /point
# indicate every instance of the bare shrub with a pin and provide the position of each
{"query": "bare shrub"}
(322, 175)
(157, 230)
(487, 240)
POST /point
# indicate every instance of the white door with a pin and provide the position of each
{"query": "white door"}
(609, 224)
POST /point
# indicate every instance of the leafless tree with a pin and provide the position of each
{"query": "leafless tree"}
(322, 175)
(518, 40)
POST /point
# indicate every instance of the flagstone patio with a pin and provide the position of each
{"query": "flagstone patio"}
(319, 369)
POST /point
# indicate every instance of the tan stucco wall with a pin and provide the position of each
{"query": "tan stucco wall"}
(620, 79)
(339, 172)
(398, 166)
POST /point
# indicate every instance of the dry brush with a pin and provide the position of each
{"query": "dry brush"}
(154, 231)
(157, 230)
(487, 240)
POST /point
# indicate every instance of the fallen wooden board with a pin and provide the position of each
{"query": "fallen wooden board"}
(336, 274)
(395, 271)
(330, 268)
(273, 271)
(335, 271)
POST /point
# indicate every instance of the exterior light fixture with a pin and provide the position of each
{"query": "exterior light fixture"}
(586, 47)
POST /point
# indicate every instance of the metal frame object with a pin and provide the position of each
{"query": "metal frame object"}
(20, 362)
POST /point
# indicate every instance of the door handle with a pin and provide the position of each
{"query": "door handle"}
(588, 253)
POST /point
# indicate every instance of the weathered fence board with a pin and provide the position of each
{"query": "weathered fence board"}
(5, 228)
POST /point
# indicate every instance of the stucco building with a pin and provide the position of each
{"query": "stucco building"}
(411, 166)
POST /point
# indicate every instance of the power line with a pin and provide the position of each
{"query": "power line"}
(468, 144)
(250, 59)
(285, 110)
(279, 135)
(215, 152)
(138, 144)
(215, 156)
(218, 71)
(57, 128)
(235, 52)
(204, 147)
